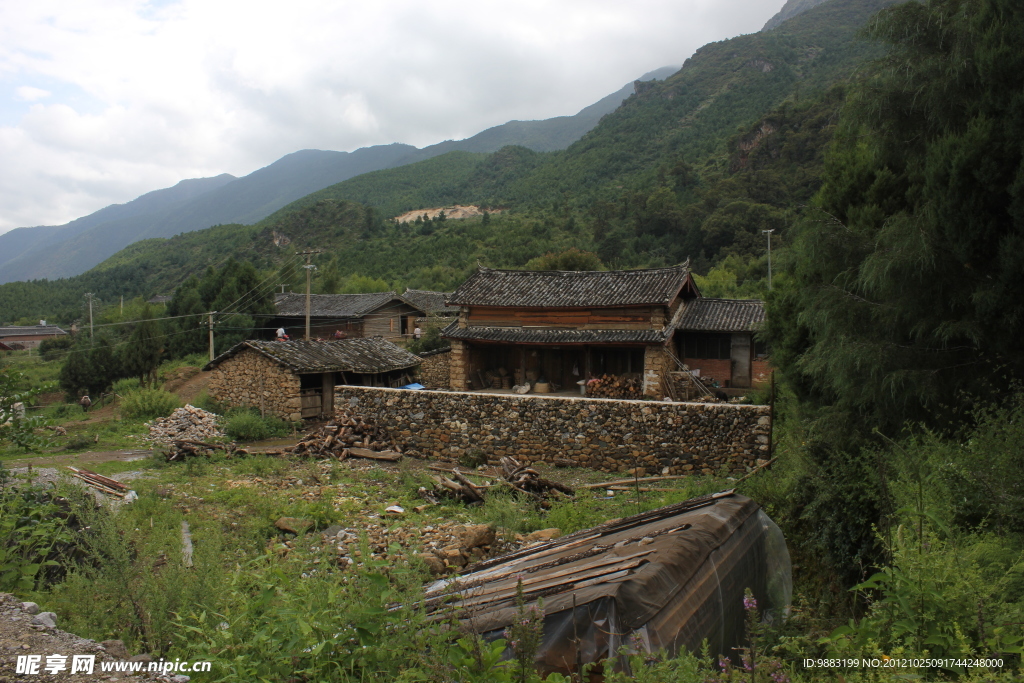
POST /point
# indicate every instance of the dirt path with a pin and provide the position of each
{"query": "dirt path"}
(78, 459)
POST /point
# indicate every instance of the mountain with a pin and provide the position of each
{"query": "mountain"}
(62, 251)
(790, 10)
(695, 166)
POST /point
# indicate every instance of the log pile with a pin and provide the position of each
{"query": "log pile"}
(188, 423)
(106, 485)
(179, 449)
(615, 386)
(348, 435)
(520, 478)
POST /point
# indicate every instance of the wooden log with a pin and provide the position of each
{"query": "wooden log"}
(459, 477)
(606, 484)
(389, 456)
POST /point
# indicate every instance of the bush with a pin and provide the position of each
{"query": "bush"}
(146, 404)
(247, 425)
(208, 403)
(126, 385)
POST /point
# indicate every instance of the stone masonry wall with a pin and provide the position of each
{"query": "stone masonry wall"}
(252, 379)
(435, 369)
(602, 434)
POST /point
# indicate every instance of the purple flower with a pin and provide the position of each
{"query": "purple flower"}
(749, 602)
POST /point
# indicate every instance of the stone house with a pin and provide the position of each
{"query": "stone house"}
(562, 327)
(384, 314)
(295, 379)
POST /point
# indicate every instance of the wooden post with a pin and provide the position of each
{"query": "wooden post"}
(211, 333)
(327, 398)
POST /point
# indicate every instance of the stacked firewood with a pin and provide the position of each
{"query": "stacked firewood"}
(348, 435)
(615, 386)
(520, 478)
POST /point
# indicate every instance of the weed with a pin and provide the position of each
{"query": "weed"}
(245, 424)
(148, 403)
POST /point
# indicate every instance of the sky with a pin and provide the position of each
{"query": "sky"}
(104, 100)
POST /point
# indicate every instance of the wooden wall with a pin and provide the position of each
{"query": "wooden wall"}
(634, 318)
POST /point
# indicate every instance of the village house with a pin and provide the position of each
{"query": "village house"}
(384, 314)
(18, 337)
(295, 379)
(556, 329)
(434, 305)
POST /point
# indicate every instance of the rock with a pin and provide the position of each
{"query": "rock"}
(476, 535)
(543, 535)
(140, 658)
(293, 525)
(30, 607)
(332, 531)
(47, 619)
(434, 564)
(180, 678)
(395, 510)
(115, 648)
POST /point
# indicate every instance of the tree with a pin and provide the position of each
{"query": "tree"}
(141, 354)
(15, 425)
(570, 259)
(903, 288)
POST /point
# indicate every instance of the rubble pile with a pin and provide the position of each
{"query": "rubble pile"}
(443, 547)
(184, 424)
(348, 435)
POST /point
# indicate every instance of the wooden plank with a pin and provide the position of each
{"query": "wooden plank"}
(642, 480)
(390, 456)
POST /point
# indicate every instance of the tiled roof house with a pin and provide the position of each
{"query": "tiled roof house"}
(567, 326)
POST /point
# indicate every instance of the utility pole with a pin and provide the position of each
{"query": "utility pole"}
(211, 333)
(309, 274)
(122, 305)
(88, 295)
(769, 233)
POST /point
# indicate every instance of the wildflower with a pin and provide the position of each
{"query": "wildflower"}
(749, 602)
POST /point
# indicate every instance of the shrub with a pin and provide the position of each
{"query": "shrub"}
(126, 385)
(146, 404)
(247, 425)
(208, 403)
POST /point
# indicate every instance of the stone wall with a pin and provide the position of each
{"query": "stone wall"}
(459, 367)
(435, 368)
(602, 434)
(251, 379)
(657, 364)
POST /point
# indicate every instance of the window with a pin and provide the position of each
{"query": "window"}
(716, 346)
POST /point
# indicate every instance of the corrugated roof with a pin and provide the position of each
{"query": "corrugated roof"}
(364, 355)
(570, 289)
(30, 330)
(722, 315)
(332, 305)
(431, 303)
(521, 335)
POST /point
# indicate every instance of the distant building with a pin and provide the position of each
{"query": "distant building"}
(384, 314)
(29, 336)
(160, 299)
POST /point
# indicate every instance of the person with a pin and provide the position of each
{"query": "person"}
(281, 336)
(338, 334)
(417, 333)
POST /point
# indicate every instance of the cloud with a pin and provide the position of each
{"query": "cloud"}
(175, 89)
(26, 93)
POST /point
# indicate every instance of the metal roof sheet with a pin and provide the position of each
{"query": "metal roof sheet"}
(30, 330)
(570, 289)
(363, 355)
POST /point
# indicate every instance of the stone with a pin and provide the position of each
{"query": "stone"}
(293, 525)
(476, 535)
(115, 648)
(30, 607)
(332, 531)
(47, 619)
(141, 658)
(543, 535)
(434, 564)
